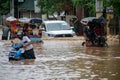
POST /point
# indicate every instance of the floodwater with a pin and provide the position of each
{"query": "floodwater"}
(63, 60)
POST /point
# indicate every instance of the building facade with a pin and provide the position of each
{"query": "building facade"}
(25, 8)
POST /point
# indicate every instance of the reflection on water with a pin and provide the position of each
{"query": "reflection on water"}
(63, 60)
(23, 62)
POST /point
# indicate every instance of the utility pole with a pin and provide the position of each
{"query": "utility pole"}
(119, 30)
(12, 7)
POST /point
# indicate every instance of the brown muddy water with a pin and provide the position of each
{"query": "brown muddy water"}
(63, 60)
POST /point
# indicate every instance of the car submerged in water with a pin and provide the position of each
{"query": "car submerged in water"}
(56, 28)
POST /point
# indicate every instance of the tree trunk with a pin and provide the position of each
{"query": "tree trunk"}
(79, 14)
(119, 29)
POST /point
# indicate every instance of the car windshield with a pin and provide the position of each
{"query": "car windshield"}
(57, 26)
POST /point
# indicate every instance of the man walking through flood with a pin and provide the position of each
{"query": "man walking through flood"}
(5, 31)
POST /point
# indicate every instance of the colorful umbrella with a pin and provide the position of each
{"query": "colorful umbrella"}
(11, 18)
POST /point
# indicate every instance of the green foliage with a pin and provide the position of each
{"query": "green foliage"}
(81, 2)
(4, 7)
(50, 6)
(115, 4)
(89, 4)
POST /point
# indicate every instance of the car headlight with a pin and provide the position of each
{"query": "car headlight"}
(73, 34)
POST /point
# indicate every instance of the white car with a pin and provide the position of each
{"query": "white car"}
(56, 28)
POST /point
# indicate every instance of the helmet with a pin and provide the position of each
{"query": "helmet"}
(20, 35)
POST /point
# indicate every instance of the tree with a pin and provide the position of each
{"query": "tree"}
(50, 6)
(4, 7)
(115, 4)
(88, 5)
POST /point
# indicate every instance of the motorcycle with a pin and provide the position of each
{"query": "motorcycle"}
(100, 41)
(16, 52)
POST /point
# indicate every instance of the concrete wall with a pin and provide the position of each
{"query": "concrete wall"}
(109, 17)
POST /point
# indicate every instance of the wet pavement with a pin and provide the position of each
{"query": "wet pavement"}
(63, 60)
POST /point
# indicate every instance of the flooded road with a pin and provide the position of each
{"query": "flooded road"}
(63, 60)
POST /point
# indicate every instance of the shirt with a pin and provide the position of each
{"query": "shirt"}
(24, 41)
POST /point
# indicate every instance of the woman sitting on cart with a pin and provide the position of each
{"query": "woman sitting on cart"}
(88, 31)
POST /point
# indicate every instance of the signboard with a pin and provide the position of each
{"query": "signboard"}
(20, 0)
(37, 9)
(99, 5)
(109, 9)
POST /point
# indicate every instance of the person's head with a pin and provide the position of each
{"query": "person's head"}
(84, 22)
(20, 35)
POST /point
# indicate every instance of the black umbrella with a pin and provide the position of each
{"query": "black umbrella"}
(100, 20)
(36, 20)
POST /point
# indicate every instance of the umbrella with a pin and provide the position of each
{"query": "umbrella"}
(100, 20)
(24, 20)
(103, 20)
(36, 20)
(11, 18)
(87, 19)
